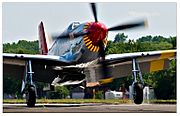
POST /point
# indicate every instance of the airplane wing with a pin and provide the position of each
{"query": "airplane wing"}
(120, 65)
(14, 66)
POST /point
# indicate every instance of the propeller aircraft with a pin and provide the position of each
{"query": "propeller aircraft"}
(78, 55)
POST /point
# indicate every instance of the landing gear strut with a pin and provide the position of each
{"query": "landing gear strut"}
(137, 86)
(28, 87)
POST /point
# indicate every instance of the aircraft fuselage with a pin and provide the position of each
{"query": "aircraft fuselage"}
(81, 49)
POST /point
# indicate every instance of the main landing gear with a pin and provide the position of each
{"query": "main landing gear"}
(31, 96)
(28, 87)
(137, 87)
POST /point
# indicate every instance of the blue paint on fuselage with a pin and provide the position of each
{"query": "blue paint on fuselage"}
(72, 49)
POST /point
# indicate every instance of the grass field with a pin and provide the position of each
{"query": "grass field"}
(79, 101)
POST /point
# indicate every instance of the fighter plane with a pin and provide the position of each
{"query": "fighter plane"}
(77, 55)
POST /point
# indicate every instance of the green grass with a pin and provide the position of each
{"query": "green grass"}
(71, 101)
(163, 101)
(79, 101)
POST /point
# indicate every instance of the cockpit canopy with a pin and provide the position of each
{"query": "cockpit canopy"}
(72, 26)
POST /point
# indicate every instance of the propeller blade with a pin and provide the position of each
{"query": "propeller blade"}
(93, 6)
(128, 26)
(70, 35)
(105, 71)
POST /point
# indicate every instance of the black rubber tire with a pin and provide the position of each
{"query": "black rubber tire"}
(138, 93)
(31, 97)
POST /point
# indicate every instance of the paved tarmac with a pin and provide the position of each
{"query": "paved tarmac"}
(88, 108)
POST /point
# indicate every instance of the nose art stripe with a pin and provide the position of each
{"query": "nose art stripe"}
(88, 43)
(85, 38)
(95, 48)
(92, 48)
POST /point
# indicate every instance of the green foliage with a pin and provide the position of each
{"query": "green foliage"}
(11, 85)
(142, 44)
(99, 95)
(173, 41)
(165, 87)
(62, 91)
(120, 37)
(53, 95)
(22, 47)
(159, 38)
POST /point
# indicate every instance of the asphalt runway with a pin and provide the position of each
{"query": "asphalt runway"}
(90, 108)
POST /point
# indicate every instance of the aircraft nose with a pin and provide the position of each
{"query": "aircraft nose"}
(97, 34)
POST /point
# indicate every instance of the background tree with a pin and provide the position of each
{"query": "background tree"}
(22, 47)
(120, 37)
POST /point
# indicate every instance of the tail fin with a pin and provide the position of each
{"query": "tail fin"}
(42, 40)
